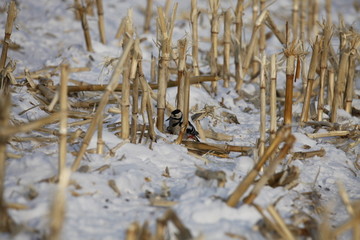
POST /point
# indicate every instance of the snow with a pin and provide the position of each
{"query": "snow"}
(49, 35)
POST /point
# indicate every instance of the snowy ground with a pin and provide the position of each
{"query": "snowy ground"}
(48, 35)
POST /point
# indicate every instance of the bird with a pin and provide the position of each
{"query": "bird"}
(175, 124)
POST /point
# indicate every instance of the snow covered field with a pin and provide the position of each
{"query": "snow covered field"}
(48, 34)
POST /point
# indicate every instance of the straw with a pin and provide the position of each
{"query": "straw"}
(101, 24)
(227, 41)
(214, 6)
(340, 85)
(134, 77)
(109, 89)
(262, 38)
(85, 27)
(8, 30)
(57, 212)
(239, 21)
(195, 37)
(303, 14)
(311, 78)
(250, 177)
(271, 24)
(290, 68)
(350, 84)
(253, 41)
(63, 119)
(148, 15)
(273, 75)
(255, 37)
(163, 73)
(181, 68)
(270, 170)
(295, 18)
(262, 106)
(323, 69)
(6, 222)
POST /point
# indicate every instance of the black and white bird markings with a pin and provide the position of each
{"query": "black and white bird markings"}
(175, 123)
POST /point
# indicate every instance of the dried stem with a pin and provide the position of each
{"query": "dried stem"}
(328, 134)
(12, 130)
(271, 24)
(130, 68)
(94, 87)
(295, 18)
(340, 86)
(148, 15)
(195, 37)
(270, 170)
(273, 76)
(250, 177)
(57, 213)
(250, 50)
(350, 84)
(328, 5)
(290, 68)
(100, 141)
(153, 69)
(262, 106)
(262, 38)
(239, 21)
(331, 83)
(146, 101)
(227, 41)
(186, 107)
(63, 119)
(239, 75)
(303, 13)
(8, 30)
(163, 73)
(284, 230)
(134, 77)
(101, 24)
(132, 232)
(323, 69)
(219, 148)
(311, 78)
(184, 232)
(255, 37)
(181, 69)
(85, 27)
(214, 6)
(6, 223)
(109, 89)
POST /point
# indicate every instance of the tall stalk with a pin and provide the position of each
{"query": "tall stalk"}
(101, 24)
(323, 69)
(273, 74)
(6, 222)
(311, 78)
(163, 72)
(195, 37)
(148, 15)
(262, 106)
(214, 6)
(63, 120)
(227, 41)
(8, 30)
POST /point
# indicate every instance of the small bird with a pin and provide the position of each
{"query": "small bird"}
(175, 123)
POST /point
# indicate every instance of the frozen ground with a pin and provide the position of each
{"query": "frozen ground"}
(48, 35)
